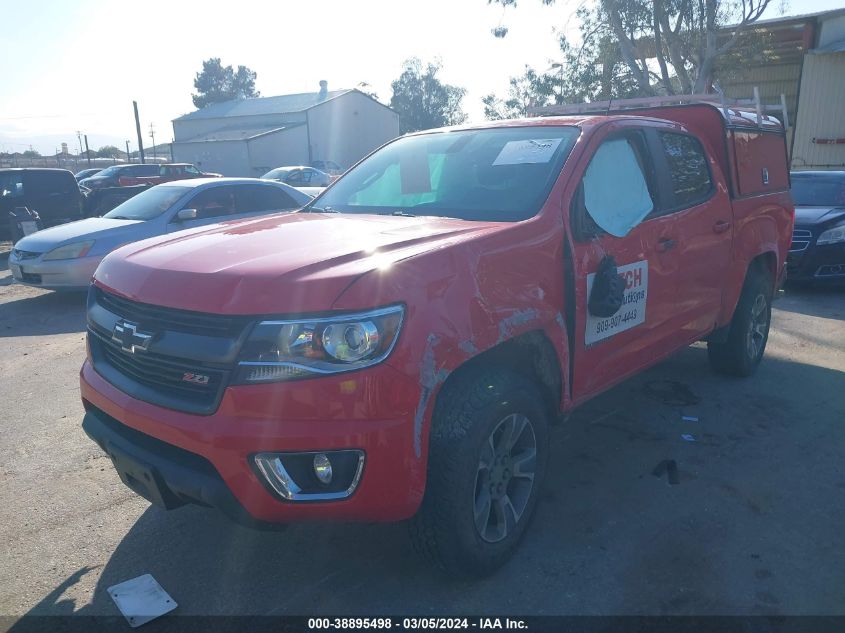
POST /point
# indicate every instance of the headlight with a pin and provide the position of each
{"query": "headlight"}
(70, 251)
(832, 236)
(284, 350)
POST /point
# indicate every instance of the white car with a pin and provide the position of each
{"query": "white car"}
(64, 257)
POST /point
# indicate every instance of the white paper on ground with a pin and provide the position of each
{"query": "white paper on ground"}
(141, 599)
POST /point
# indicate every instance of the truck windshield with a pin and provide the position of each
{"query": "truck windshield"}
(492, 175)
(148, 204)
(818, 192)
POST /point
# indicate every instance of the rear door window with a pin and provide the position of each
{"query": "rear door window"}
(688, 169)
(253, 198)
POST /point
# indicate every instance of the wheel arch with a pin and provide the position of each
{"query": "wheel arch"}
(530, 354)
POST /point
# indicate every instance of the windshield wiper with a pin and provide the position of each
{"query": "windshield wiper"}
(120, 217)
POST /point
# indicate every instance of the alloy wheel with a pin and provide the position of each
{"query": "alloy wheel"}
(505, 477)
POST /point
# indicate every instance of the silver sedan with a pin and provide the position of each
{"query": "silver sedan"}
(64, 257)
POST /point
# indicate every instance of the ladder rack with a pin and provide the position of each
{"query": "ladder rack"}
(728, 106)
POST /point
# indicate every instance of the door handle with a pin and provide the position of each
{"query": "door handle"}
(664, 244)
(721, 226)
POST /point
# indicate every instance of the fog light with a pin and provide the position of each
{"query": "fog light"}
(323, 468)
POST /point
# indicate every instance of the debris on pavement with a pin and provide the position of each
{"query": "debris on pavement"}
(688, 437)
(689, 418)
(141, 599)
(671, 392)
(670, 467)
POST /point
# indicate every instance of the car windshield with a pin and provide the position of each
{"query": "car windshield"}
(496, 175)
(818, 192)
(274, 174)
(148, 204)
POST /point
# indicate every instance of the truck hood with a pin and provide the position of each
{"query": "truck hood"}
(282, 264)
(90, 229)
(809, 216)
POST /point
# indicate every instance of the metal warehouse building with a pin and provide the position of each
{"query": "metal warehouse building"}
(806, 63)
(249, 137)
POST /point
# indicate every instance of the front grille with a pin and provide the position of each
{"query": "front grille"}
(21, 255)
(184, 366)
(164, 376)
(800, 240)
(157, 318)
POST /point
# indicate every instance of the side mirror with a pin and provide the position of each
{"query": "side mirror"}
(186, 214)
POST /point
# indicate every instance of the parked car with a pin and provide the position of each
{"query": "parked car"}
(817, 253)
(53, 193)
(400, 346)
(110, 176)
(299, 176)
(65, 257)
(166, 173)
(87, 173)
(328, 166)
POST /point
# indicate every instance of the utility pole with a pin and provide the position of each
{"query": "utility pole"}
(79, 138)
(153, 136)
(128, 159)
(138, 132)
(87, 151)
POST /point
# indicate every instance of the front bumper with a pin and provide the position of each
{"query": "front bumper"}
(825, 263)
(59, 274)
(208, 459)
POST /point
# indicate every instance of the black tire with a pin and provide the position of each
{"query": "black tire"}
(743, 350)
(471, 417)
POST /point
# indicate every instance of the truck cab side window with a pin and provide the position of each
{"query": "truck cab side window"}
(616, 194)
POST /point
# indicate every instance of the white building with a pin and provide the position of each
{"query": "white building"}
(249, 137)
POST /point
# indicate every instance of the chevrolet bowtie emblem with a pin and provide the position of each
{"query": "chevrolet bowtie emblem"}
(126, 335)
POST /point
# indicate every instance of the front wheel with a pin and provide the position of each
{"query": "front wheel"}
(743, 350)
(488, 449)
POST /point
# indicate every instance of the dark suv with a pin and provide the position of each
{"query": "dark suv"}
(110, 176)
(53, 193)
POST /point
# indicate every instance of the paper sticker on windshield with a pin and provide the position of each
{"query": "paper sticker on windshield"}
(632, 312)
(539, 150)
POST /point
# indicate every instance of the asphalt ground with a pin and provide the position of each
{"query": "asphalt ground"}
(753, 524)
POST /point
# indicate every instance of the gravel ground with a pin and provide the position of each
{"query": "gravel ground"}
(754, 525)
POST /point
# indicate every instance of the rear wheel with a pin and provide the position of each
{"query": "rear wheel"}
(488, 449)
(743, 350)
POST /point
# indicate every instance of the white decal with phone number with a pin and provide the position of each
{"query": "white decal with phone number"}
(632, 312)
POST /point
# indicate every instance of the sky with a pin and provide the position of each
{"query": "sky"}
(77, 66)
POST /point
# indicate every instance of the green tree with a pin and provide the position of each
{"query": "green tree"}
(217, 83)
(423, 101)
(529, 90)
(31, 153)
(690, 40)
(109, 151)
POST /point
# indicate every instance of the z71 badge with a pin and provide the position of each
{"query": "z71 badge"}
(196, 379)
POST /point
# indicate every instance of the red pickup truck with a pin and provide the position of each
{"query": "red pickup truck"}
(399, 348)
(166, 173)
